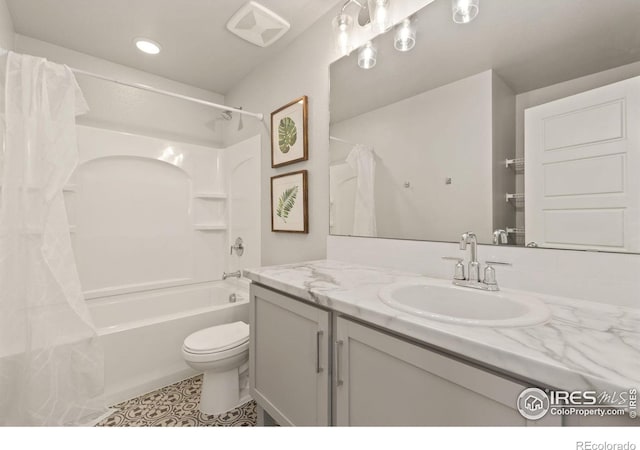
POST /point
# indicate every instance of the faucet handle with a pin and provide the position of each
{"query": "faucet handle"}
(238, 247)
(490, 272)
(459, 271)
(490, 276)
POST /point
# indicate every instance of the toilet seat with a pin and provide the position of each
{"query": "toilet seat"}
(215, 356)
(219, 341)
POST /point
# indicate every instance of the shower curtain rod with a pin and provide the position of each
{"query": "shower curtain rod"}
(344, 141)
(144, 87)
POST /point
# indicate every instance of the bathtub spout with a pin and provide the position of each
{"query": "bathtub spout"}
(236, 274)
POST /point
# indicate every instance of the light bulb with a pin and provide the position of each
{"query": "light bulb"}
(379, 14)
(405, 37)
(367, 56)
(464, 11)
(342, 25)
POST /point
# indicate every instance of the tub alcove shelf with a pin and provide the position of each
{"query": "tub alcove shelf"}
(213, 208)
(210, 195)
(209, 227)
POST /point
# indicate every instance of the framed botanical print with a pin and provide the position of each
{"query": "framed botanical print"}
(289, 208)
(289, 143)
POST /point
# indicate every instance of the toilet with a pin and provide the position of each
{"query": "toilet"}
(222, 354)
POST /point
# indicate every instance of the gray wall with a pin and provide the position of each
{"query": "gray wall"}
(6, 27)
(301, 69)
(418, 140)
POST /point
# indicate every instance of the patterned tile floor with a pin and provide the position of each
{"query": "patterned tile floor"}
(176, 405)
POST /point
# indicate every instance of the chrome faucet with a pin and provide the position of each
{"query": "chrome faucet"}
(474, 265)
(489, 282)
(236, 274)
(500, 237)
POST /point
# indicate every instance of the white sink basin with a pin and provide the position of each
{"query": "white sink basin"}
(441, 300)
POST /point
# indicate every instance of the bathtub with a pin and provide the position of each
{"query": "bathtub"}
(142, 333)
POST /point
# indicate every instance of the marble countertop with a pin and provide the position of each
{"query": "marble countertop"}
(585, 345)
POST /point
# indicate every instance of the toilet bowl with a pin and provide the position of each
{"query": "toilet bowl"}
(221, 353)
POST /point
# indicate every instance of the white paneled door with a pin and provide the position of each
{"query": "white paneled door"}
(582, 173)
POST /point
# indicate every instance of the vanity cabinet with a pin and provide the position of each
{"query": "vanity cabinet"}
(383, 380)
(289, 358)
(369, 378)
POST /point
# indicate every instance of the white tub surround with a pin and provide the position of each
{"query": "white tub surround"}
(585, 345)
(146, 213)
(151, 225)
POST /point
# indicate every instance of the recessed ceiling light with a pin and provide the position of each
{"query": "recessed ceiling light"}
(148, 46)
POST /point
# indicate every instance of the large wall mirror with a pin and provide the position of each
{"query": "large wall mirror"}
(522, 126)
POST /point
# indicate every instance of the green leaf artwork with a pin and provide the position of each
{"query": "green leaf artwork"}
(286, 202)
(287, 134)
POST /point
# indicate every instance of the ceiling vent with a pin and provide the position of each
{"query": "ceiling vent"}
(258, 25)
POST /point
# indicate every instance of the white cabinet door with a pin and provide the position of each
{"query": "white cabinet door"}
(385, 381)
(289, 358)
(582, 170)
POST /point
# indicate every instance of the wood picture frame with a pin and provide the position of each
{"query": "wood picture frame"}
(289, 203)
(289, 135)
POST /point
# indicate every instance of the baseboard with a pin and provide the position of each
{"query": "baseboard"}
(142, 387)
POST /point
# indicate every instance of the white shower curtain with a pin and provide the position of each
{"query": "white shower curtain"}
(51, 365)
(362, 160)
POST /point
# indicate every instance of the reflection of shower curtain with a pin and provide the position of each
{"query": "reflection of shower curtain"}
(362, 160)
(51, 367)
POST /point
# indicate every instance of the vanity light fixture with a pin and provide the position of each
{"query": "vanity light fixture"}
(147, 46)
(379, 14)
(367, 56)
(371, 12)
(464, 11)
(342, 26)
(405, 37)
